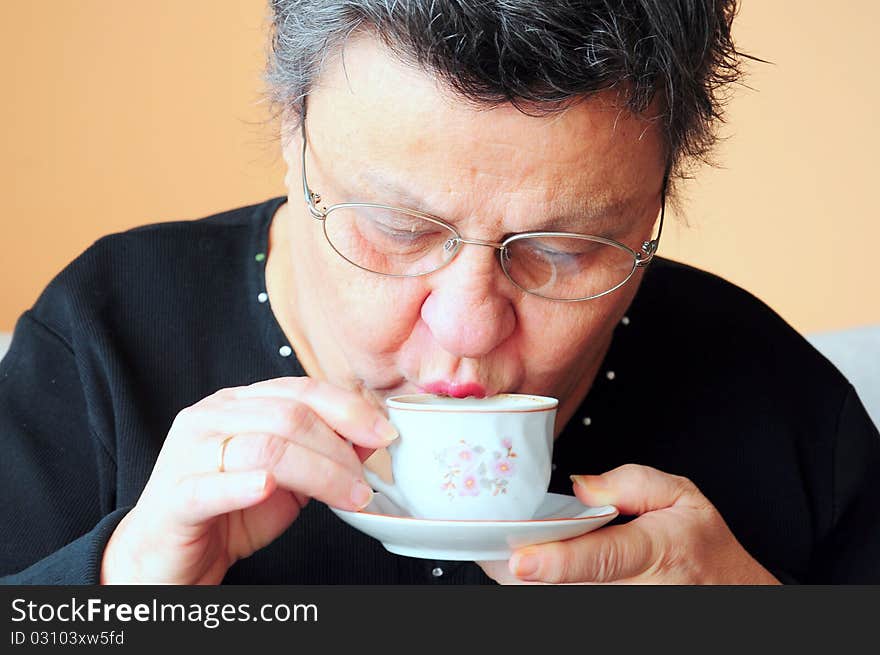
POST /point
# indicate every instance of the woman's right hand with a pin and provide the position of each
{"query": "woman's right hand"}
(192, 522)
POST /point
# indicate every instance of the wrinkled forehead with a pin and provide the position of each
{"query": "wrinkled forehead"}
(368, 108)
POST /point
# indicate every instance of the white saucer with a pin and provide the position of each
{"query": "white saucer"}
(559, 517)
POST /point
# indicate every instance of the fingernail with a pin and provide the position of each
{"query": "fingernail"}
(524, 566)
(385, 430)
(590, 482)
(361, 494)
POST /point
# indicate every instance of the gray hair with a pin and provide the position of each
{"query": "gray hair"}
(539, 55)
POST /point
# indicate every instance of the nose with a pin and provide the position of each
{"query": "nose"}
(468, 309)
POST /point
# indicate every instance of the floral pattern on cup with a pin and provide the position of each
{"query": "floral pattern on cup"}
(471, 470)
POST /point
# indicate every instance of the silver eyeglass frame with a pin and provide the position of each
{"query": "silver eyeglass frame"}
(640, 258)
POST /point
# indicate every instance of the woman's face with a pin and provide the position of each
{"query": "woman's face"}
(376, 125)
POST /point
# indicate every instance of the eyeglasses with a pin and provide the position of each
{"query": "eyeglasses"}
(398, 242)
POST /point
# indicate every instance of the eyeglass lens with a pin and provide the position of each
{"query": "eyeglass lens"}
(392, 242)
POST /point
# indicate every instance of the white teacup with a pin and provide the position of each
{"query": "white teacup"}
(470, 458)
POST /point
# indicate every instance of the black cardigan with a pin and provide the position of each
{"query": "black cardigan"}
(709, 383)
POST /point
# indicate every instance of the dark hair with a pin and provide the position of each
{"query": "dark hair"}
(539, 55)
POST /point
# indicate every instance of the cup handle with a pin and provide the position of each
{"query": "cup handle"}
(385, 489)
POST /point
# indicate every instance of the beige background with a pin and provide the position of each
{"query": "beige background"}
(117, 114)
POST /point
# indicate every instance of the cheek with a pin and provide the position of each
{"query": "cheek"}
(559, 336)
(370, 314)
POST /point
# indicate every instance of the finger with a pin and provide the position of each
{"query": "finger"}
(636, 489)
(347, 412)
(606, 555)
(263, 414)
(302, 470)
(261, 524)
(499, 572)
(286, 418)
(251, 451)
(204, 496)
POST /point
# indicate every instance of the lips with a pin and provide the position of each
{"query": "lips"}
(456, 389)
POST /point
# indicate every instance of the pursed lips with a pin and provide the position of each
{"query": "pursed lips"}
(455, 389)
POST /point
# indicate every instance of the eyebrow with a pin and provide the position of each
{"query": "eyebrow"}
(588, 212)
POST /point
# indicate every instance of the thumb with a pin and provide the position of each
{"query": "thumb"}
(635, 489)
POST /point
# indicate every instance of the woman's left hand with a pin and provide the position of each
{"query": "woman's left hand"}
(678, 538)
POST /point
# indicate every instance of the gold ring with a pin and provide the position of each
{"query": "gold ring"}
(222, 453)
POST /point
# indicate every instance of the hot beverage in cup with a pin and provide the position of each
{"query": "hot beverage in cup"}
(470, 458)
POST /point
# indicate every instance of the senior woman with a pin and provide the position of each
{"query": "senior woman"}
(476, 193)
